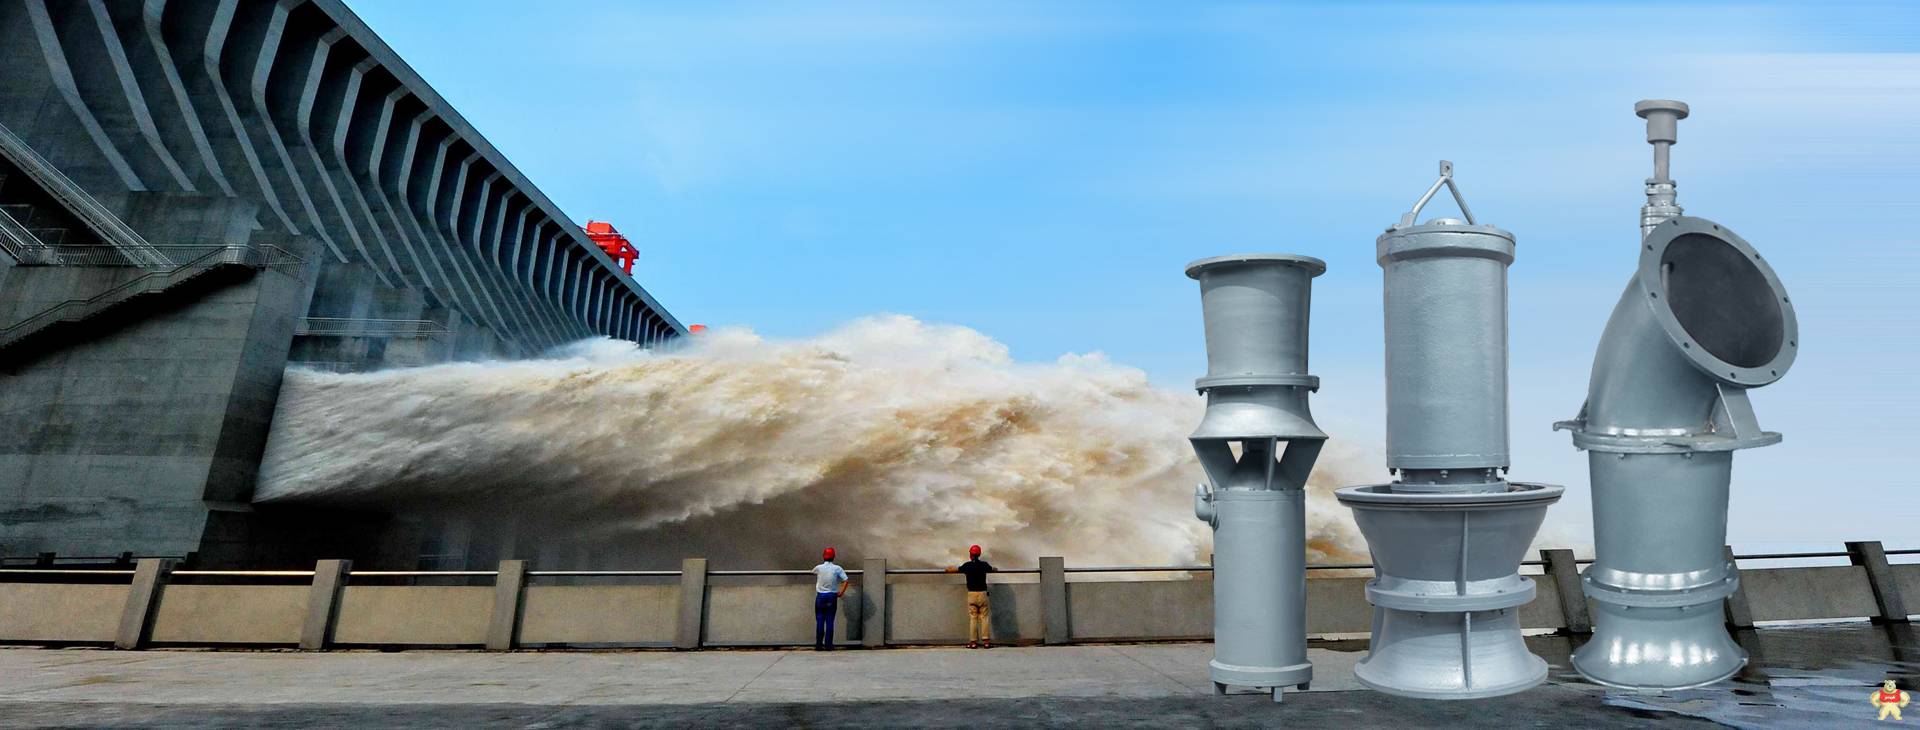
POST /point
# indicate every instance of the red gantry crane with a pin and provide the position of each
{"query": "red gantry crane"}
(616, 245)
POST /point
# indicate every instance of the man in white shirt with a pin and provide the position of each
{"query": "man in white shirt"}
(829, 584)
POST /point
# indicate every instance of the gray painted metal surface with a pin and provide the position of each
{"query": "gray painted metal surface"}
(1256, 308)
(1703, 319)
(1449, 534)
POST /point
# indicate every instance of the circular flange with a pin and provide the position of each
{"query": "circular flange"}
(1656, 271)
(1450, 602)
(1310, 382)
(1382, 496)
(1714, 592)
(1314, 267)
(1437, 238)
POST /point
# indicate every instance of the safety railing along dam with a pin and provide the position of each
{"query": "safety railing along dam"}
(151, 602)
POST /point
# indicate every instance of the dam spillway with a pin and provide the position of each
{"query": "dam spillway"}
(195, 196)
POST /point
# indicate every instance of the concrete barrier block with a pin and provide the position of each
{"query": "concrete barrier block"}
(1053, 600)
(1886, 588)
(509, 594)
(136, 617)
(323, 603)
(1739, 610)
(693, 603)
(1566, 581)
(873, 593)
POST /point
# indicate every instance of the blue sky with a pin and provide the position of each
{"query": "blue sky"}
(1042, 172)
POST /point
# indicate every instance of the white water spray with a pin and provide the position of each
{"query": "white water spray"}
(887, 437)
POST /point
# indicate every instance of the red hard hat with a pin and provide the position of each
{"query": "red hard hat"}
(974, 551)
(827, 554)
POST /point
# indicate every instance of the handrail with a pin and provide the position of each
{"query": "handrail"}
(64, 571)
(95, 216)
(16, 240)
(421, 573)
(357, 327)
(249, 255)
(603, 573)
(89, 255)
(249, 573)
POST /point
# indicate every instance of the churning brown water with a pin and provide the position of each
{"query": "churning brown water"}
(887, 437)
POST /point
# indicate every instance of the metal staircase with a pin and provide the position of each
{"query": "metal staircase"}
(210, 259)
(48, 220)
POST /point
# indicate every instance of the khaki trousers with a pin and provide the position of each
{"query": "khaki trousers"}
(979, 620)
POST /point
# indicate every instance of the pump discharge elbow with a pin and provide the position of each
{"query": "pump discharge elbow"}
(1703, 320)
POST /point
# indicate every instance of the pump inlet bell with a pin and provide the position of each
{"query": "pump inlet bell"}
(1448, 536)
(1256, 310)
(1703, 320)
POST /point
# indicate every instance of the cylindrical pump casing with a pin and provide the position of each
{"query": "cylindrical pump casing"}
(1446, 334)
(1256, 308)
(1448, 536)
(1259, 583)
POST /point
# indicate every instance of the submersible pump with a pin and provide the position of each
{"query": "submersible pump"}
(1256, 309)
(1448, 535)
(1703, 320)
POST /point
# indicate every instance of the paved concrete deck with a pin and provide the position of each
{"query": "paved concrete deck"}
(1126, 685)
(1802, 681)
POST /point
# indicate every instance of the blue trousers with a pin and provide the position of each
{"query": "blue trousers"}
(825, 607)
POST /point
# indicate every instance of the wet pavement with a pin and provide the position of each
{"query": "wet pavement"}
(1806, 676)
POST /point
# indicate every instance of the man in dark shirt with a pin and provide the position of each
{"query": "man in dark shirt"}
(979, 615)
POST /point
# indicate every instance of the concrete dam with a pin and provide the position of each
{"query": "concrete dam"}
(196, 197)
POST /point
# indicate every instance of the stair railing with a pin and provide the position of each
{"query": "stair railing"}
(255, 256)
(91, 213)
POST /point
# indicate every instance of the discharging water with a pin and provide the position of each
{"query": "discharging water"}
(887, 437)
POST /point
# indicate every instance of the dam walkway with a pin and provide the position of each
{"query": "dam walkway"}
(1805, 676)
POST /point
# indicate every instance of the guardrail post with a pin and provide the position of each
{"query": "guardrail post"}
(1886, 591)
(143, 597)
(1053, 600)
(509, 591)
(873, 585)
(1566, 582)
(1739, 611)
(44, 560)
(693, 603)
(323, 603)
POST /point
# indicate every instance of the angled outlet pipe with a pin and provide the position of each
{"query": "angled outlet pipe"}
(1256, 310)
(1703, 320)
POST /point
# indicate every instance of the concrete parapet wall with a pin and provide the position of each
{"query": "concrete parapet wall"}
(773, 610)
(936, 613)
(773, 615)
(1148, 609)
(59, 614)
(421, 615)
(626, 615)
(1799, 594)
(194, 614)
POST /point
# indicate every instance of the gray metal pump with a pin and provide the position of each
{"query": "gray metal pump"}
(1448, 535)
(1256, 309)
(1703, 319)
